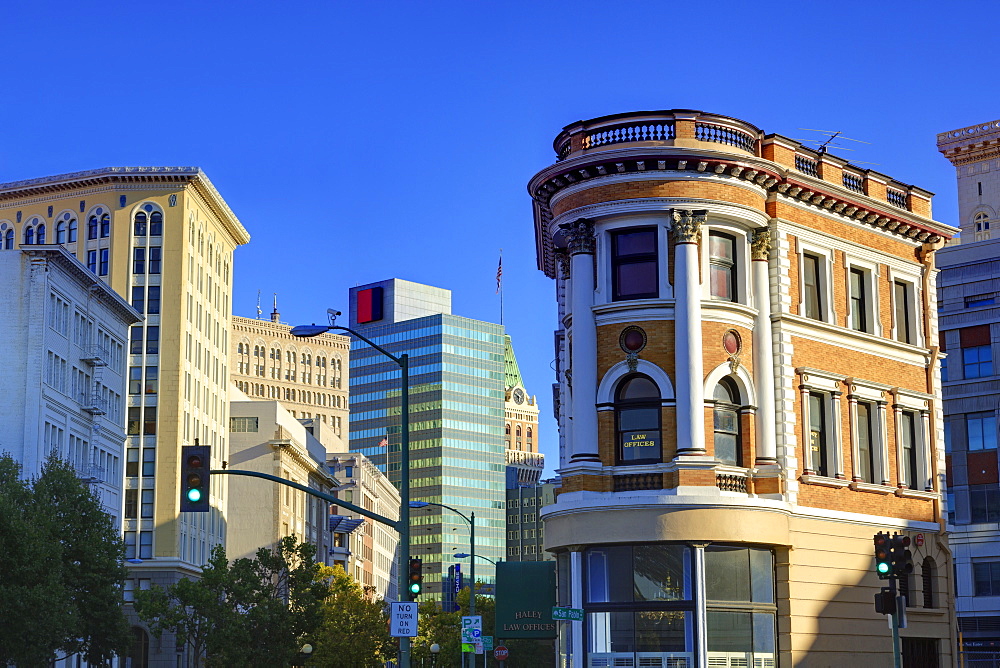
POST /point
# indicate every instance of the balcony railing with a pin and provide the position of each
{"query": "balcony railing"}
(638, 481)
(854, 182)
(725, 135)
(729, 482)
(656, 126)
(895, 197)
(631, 132)
(806, 165)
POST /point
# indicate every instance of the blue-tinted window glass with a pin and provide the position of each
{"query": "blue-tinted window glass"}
(977, 361)
(981, 429)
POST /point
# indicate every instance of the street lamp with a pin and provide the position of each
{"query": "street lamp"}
(471, 519)
(403, 526)
(435, 648)
(464, 555)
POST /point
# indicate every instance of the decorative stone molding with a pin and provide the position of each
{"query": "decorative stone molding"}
(760, 244)
(687, 225)
(580, 236)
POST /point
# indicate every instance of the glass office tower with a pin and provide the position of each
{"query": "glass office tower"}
(456, 418)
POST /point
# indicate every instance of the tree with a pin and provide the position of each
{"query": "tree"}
(61, 560)
(248, 613)
(355, 631)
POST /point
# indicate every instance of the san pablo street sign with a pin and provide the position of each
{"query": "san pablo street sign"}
(568, 614)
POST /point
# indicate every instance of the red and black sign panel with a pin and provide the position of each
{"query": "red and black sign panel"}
(369, 305)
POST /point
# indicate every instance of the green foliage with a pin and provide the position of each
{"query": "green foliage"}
(61, 560)
(355, 632)
(248, 613)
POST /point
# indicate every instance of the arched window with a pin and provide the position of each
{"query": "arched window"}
(728, 443)
(9, 239)
(139, 227)
(92, 225)
(40, 234)
(982, 222)
(71, 237)
(105, 226)
(928, 571)
(529, 434)
(61, 232)
(29, 235)
(519, 431)
(156, 224)
(637, 415)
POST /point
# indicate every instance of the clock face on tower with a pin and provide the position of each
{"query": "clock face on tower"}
(518, 396)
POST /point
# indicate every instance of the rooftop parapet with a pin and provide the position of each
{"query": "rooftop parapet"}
(970, 144)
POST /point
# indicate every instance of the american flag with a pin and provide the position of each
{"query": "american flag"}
(499, 272)
(384, 443)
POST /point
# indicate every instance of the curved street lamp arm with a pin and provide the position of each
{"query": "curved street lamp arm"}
(397, 360)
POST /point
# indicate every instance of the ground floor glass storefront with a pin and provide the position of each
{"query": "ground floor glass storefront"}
(679, 606)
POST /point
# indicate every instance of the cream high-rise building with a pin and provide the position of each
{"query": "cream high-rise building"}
(163, 238)
(309, 377)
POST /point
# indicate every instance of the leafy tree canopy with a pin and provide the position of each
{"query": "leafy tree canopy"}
(61, 560)
(251, 612)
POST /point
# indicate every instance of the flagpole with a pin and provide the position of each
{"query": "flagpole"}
(500, 284)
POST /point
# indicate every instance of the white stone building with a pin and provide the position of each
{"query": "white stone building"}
(64, 376)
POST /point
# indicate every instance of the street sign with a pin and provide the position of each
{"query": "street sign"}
(501, 653)
(471, 635)
(488, 643)
(403, 619)
(564, 614)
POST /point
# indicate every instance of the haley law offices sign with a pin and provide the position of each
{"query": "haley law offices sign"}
(526, 594)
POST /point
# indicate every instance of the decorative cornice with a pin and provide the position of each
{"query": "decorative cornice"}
(129, 178)
(779, 181)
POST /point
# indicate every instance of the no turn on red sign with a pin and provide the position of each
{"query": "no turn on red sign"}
(501, 653)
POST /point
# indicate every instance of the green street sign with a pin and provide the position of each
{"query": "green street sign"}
(568, 614)
(488, 643)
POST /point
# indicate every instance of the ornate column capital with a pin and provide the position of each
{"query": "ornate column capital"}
(562, 263)
(687, 225)
(579, 236)
(760, 244)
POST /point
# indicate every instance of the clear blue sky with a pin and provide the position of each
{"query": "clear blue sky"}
(366, 140)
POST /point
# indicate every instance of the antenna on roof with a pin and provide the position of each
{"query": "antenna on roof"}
(831, 135)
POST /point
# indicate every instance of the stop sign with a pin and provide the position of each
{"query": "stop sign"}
(500, 653)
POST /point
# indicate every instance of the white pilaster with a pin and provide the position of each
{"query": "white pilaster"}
(583, 344)
(688, 343)
(763, 360)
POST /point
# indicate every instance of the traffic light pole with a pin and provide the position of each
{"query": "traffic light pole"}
(897, 659)
(403, 526)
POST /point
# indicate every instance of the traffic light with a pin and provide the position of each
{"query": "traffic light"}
(194, 478)
(902, 559)
(885, 602)
(883, 556)
(416, 577)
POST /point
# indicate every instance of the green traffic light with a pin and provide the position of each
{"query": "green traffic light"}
(883, 567)
(194, 495)
(414, 588)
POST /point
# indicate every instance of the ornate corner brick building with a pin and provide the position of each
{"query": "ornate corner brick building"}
(747, 371)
